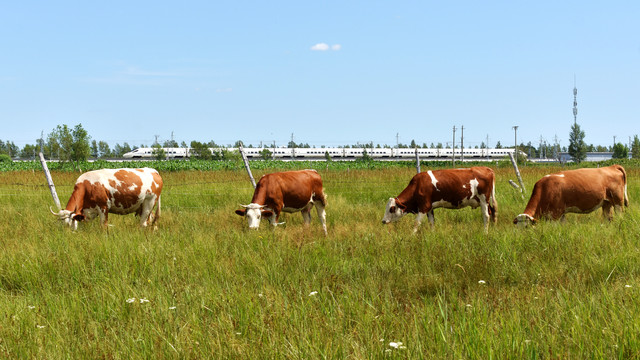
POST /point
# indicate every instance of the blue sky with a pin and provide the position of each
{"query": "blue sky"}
(330, 72)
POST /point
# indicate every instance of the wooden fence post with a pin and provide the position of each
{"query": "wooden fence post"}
(52, 188)
(246, 165)
(515, 167)
(417, 161)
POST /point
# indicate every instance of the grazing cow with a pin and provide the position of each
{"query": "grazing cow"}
(288, 191)
(116, 191)
(451, 189)
(576, 191)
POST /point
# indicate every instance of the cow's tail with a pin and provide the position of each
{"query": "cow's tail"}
(157, 214)
(624, 178)
(493, 204)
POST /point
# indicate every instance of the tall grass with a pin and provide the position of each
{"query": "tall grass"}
(217, 290)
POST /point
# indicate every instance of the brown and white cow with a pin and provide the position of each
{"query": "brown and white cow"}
(450, 189)
(576, 191)
(116, 191)
(288, 191)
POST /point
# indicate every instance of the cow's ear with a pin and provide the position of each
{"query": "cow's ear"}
(77, 217)
(515, 221)
(241, 212)
(267, 213)
(401, 206)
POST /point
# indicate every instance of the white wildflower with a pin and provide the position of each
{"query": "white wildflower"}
(40, 326)
(313, 293)
(172, 308)
(142, 301)
(131, 300)
(627, 286)
(260, 295)
(482, 282)
(396, 345)
(31, 307)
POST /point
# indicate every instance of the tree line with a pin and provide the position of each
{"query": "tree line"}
(74, 144)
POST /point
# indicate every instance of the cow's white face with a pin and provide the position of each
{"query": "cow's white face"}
(393, 212)
(70, 219)
(524, 220)
(254, 213)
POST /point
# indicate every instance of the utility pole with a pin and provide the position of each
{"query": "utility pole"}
(540, 155)
(515, 131)
(462, 143)
(156, 142)
(614, 142)
(487, 146)
(293, 154)
(453, 148)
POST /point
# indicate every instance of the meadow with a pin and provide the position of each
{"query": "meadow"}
(204, 286)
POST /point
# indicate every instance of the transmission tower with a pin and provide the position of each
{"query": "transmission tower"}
(575, 101)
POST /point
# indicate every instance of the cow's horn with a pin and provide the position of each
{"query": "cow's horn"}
(50, 209)
(244, 206)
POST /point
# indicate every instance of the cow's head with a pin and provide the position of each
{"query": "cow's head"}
(70, 219)
(253, 213)
(394, 211)
(524, 220)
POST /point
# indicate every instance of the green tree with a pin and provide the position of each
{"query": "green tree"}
(498, 145)
(104, 150)
(265, 154)
(60, 143)
(80, 149)
(29, 151)
(365, 156)
(577, 147)
(170, 144)
(200, 151)
(635, 147)
(94, 149)
(327, 156)
(620, 151)
(158, 152)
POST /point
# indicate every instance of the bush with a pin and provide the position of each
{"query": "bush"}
(5, 158)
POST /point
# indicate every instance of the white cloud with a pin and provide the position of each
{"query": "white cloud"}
(320, 47)
(326, 47)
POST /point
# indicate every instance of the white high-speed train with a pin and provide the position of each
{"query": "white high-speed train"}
(337, 153)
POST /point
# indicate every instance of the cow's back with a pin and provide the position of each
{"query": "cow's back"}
(293, 188)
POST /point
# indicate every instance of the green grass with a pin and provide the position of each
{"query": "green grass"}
(217, 290)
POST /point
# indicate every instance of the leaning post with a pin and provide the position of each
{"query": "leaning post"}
(417, 161)
(246, 165)
(515, 167)
(52, 187)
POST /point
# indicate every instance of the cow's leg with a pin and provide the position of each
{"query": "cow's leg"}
(273, 219)
(322, 216)
(484, 208)
(419, 218)
(306, 215)
(147, 206)
(432, 219)
(104, 217)
(607, 210)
